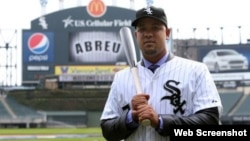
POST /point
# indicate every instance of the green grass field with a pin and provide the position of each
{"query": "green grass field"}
(94, 134)
(61, 139)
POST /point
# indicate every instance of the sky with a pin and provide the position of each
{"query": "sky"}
(183, 16)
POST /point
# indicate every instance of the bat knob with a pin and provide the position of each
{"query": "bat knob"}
(146, 122)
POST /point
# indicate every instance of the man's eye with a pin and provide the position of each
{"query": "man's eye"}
(141, 29)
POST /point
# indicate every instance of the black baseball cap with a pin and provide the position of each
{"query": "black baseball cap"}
(151, 12)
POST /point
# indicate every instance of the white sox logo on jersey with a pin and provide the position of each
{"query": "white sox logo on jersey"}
(175, 98)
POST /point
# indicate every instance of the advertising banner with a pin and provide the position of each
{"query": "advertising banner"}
(38, 47)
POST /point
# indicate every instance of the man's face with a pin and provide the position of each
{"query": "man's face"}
(151, 36)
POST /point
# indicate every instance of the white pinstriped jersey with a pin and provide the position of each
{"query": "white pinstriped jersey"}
(180, 86)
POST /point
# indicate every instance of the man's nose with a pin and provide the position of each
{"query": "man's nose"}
(148, 33)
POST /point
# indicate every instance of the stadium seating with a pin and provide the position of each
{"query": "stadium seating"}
(243, 109)
(14, 114)
(21, 110)
(3, 112)
(229, 100)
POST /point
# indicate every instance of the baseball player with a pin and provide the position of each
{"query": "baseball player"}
(178, 92)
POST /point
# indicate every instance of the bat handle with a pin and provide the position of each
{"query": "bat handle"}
(145, 122)
(136, 79)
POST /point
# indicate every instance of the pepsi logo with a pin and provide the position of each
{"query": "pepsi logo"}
(38, 43)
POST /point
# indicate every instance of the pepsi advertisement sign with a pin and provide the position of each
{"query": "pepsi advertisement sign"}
(38, 47)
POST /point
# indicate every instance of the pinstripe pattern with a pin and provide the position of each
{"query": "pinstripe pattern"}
(196, 86)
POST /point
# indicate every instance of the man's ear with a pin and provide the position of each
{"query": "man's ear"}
(168, 31)
(135, 33)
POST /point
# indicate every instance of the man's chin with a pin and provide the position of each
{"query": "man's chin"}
(150, 52)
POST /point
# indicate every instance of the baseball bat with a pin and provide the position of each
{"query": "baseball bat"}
(128, 44)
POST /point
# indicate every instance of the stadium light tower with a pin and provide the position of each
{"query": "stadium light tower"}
(239, 33)
(221, 28)
(194, 29)
(208, 42)
(43, 6)
(8, 64)
(61, 4)
(132, 4)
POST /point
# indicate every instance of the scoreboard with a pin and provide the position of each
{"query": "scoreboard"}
(79, 41)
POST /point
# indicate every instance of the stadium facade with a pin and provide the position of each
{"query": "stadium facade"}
(77, 45)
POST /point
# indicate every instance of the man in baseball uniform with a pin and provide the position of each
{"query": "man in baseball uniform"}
(178, 92)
